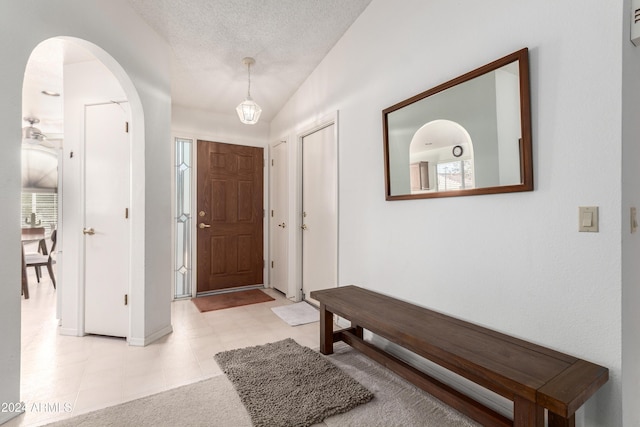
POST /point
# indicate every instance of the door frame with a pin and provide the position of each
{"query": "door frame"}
(194, 137)
(325, 121)
(83, 201)
(81, 303)
(288, 234)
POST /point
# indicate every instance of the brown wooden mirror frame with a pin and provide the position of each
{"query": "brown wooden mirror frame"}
(525, 144)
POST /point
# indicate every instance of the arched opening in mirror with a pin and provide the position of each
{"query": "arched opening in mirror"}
(491, 103)
(441, 158)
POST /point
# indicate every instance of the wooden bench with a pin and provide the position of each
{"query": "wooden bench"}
(535, 378)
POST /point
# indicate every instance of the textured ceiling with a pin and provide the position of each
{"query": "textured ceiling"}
(209, 38)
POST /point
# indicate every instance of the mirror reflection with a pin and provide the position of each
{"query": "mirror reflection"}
(467, 136)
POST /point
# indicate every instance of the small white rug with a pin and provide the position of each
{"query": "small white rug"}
(296, 314)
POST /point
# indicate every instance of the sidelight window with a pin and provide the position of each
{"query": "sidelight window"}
(182, 219)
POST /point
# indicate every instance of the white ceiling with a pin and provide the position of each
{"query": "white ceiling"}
(208, 40)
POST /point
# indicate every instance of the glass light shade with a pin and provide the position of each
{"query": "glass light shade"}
(248, 111)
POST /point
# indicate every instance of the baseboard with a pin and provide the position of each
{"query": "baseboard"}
(142, 342)
(68, 332)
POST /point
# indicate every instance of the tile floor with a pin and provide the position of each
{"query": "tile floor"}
(64, 376)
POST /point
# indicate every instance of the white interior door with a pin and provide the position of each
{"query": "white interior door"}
(279, 201)
(319, 211)
(106, 228)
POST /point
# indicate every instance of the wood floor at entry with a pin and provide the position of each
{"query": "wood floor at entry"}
(230, 216)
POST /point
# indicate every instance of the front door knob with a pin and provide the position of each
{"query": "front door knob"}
(202, 225)
(89, 231)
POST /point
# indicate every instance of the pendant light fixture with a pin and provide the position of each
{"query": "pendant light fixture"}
(248, 110)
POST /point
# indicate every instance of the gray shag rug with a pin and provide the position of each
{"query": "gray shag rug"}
(285, 384)
(215, 403)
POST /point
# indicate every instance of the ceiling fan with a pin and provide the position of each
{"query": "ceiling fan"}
(32, 135)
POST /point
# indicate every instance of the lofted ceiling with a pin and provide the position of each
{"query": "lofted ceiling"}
(208, 40)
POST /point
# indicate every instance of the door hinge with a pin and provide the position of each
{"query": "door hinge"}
(264, 263)
(271, 264)
(126, 299)
(126, 213)
(264, 213)
(271, 213)
(271, 162)
(126, 127)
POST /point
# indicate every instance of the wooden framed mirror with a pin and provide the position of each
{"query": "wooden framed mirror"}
(468, 136)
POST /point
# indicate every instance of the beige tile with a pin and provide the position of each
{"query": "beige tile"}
(209, 367)
(99, 397)
(184, 374)
(143, 384)
(113, 377)
(94, 372)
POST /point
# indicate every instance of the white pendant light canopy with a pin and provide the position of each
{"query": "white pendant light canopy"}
(248, 111)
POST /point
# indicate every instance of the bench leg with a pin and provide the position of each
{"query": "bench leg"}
(359, 332)
(326, 330)
(527, 413)
(556, 420)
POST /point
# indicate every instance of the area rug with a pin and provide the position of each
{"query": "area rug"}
(211, 402)
(397, 402)
(285, 384)
(296, 314)
(230, 299)
(215, 403)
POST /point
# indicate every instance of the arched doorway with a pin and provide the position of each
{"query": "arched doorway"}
(97, 79)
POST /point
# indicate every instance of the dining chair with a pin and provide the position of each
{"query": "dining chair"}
(31, 235)
(38, 260)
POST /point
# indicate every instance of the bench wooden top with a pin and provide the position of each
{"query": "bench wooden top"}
(501, 363)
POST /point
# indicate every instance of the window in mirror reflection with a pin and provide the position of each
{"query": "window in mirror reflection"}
(456, 175)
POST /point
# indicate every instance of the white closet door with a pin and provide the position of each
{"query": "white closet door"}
(320, 211)
(279, 218)
(106, 227)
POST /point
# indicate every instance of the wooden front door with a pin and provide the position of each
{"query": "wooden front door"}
(230, 216)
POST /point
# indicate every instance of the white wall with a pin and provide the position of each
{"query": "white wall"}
(145, 59)
(217, 127)
(524, 270)
(630, 242)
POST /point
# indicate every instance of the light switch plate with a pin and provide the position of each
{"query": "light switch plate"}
(588, 218)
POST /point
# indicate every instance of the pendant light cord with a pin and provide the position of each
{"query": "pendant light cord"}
(249, 80)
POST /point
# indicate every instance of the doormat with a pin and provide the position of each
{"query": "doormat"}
(230, 299)
(296, 314)
(286, 384)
